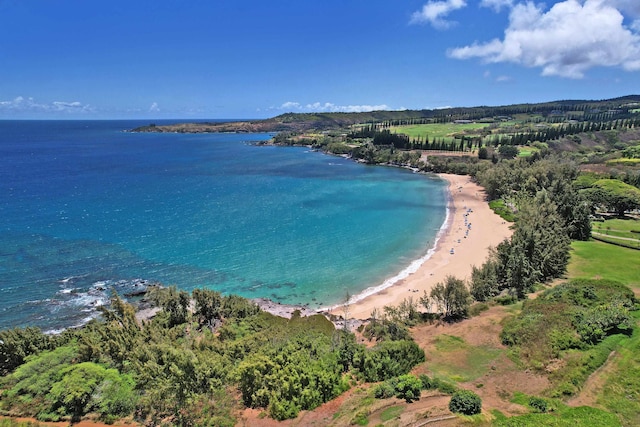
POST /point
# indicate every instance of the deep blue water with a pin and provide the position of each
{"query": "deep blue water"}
(86, 207)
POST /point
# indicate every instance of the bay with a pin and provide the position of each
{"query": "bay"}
(87, 208)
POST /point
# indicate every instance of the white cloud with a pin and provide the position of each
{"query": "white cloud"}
(496, 5)
(435, 12)
(630, 7)
(154, 108)
(29, 105)
(290, 106)
(567, 40)
(318, 107)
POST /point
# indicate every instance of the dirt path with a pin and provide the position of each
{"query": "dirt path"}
(628, 239)
(593, 386)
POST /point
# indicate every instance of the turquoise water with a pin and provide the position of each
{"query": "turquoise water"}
(86, 207)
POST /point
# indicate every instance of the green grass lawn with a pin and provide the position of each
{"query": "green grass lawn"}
(459, 361)
(621, 391)
(436, 130)
(565, 416)
(526, 151)
(391, 413)
(629, 228)
(595, 259)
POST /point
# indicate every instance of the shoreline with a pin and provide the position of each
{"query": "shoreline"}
(469, 230)
(466, 206)
(406, 272)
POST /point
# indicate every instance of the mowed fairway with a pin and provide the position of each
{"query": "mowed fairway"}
(595, 259)
(436, 130)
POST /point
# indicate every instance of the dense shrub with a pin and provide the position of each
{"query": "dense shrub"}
(384, 390)
(18, 343)
(446, 387)
(539, 404)
(465, 402)
(183, 366)
(405, 387)
(386, 329)
(428, 383)
(408, 388)
(390, 359)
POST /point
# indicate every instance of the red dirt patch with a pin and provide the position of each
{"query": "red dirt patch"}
(503, 378)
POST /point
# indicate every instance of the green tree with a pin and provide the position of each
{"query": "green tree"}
(614, 195)
(119, 334)
(408, 388)
(484, 279)
(508, 151)
(452, 298)
(538, 249)
(18, 343)
(39, 372)
(515, 269)
(573, 207)
(631, 152)
(208, 305)
(75, 389)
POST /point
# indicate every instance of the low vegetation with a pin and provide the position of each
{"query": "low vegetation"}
(573, 326)
(184, 366)
(595, 259)
(563, 416)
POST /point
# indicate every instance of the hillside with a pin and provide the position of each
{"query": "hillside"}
(616, 108)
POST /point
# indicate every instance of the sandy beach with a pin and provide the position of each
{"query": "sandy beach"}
(472, 229)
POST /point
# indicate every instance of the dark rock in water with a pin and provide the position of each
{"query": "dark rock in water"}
(136, 293)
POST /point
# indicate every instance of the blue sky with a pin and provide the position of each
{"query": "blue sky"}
(223, 59)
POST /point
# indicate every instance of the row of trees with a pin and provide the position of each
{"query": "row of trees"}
(468, 143)
(552, 133)
(550, 212)
(591, 111)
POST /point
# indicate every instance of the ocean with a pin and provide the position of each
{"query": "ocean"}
(87, 209)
